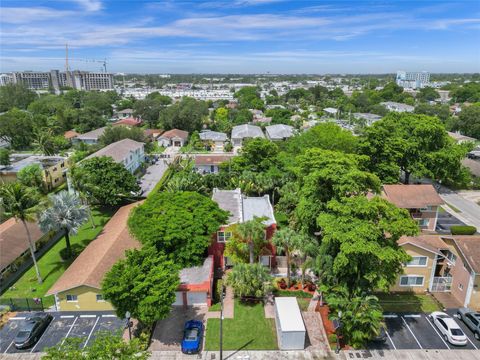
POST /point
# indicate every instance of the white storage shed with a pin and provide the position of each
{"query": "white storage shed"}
(289, 324)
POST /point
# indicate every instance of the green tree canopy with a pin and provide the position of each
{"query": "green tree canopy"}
(15, 96)
(427, 94)
(116, 133)
(250, 280)
(258, 154)
(179, 224)
(469, 121)
(31, 176)
(249, 98)
(17, 127)
(143, 283)
(188, 114)
(5, 157)
(247, 242)
(106, 181)
(149, 109)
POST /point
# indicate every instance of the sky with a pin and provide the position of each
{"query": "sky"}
(241, 36)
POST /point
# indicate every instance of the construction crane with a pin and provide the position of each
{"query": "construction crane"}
(67, 67)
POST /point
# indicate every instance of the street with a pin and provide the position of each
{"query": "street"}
(470, 211)
(152, 176)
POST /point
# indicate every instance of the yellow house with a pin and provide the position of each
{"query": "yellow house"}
(79, 288)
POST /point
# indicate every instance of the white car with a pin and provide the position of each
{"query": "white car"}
(448, 328)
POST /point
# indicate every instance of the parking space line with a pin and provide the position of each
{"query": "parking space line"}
(18, 318)
(69, 330)
(411, 332)
(88, 316)
(109, 315)
(476, 348)
(388, 316)
(389, 338)
(67, 316)
(91, 332)
(8, 347)
(440, 335)
(412, 316)
(44, 332)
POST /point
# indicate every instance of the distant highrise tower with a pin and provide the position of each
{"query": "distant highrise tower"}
(413, 80)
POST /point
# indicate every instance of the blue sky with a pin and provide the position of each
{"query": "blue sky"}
(242, 36)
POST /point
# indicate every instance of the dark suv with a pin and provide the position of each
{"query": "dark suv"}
(471, 319)
(32, 329)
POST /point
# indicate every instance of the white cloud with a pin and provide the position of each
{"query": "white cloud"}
(21, 15)
(90, 5)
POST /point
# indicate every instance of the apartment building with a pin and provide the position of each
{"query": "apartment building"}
(128, 152)
(413, 80)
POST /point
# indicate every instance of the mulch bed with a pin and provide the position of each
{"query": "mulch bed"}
(328, 324)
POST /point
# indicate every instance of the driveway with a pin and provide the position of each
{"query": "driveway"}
(152, 176)
(85, 325)
(417, 331)
(168, 332)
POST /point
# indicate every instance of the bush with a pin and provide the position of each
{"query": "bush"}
(463, 230)
(250, 280)
(332, 338)
(218, 290)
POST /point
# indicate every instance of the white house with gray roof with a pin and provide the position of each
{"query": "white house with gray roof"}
(245, 131)
(128, 152)
(398, 107)
(279, 132)
(91, 137)
(217, 138)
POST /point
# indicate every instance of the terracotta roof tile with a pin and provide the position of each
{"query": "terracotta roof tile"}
(412, 196)
(433, 243)
(469, 245)
(175, 133)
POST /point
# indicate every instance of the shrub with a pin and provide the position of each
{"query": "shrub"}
(463, 230)
(250, 280)
(218, 290)
(332, 338)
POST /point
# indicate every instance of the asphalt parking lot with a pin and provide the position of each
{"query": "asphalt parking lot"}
(86, 325)
(417, 331)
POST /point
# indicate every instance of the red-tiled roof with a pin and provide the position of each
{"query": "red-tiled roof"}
(175, 133)
(432, 243)
(211, 159)
(70, 134)
(412, 196)
(128, 122)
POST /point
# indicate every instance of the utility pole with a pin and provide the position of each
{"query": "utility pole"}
(66, 58)
(222, 295)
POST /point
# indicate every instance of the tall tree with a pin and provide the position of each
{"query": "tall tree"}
(21, 203)
(15, 96)
(5, 157)
(188, 114)
(287, 240)
(116, 133)
(17, 127)
(31, 176)
(65, 213)
(251, 234)
(469, 121)
(144, 283)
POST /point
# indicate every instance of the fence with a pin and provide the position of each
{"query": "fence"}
(23, 304)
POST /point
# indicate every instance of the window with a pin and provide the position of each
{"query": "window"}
(451, 256)
(423, 222)
(460, 286)
(72, 298)
(411, 280)
(418, 261)
(223, 236)
(100, 298)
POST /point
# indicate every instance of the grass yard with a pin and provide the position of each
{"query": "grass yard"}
(408, 303)
(248, 330)
(51, 264)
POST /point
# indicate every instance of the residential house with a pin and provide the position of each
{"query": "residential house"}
(398, 107)
(367, 117)
(461, 139)
(245, 131)
(80, 286)
(153, 134)
(422, 201)
(128, 122)
(128, 152)
(14, 242)
(70, 135)
(209, 164)
(91, 137)
(330, 111)
(124, 114)
(279, 132)
(242, 208)
(53, 168)
(213, 139)
(174, 137)
(442, 264)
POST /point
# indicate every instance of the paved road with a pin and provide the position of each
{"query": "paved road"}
(152, 176)
(470, 211)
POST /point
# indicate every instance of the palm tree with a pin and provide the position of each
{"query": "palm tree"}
(66, 213)
(286, 239)
(21, 202)
(80, 187)
(307, 248)
(252, 232)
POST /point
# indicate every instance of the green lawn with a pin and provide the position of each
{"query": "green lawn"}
(408, 303)
(248, 330)
(214, 307)
(51, 264)
(303, 303)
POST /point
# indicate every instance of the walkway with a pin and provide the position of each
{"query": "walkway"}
(228, 306)
(269, 307)
(447, 300)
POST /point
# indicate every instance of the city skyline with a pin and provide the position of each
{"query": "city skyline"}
(243, 36)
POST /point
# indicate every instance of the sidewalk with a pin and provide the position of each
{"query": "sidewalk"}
(228, 307)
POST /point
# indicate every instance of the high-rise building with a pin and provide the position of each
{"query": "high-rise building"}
(5, 79)
(56, 80)
(413, 80)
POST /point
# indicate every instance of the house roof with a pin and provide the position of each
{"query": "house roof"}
(70, 134)
(92, 135)
(243, 208)
(289, 316)
(459, 137)
(153, 132)
(279, 131)
(119, 150)
(128, 122)
(211, 159)
(100, 255)
(197, 278)
(246, 131)
(175, 133)
(125, 111)
(432, 243)
(212, 135)
(330, 110)
(412, 196)
(14, 241)
(469, 246)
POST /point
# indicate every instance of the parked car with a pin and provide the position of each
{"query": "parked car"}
(31, 330)
(471, 319)
(192, 337)
(448, 328)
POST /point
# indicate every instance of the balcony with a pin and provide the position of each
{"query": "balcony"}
(441, 284)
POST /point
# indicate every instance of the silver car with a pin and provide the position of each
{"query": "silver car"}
(471, 319)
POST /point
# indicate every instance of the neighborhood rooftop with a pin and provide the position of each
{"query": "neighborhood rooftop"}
(92, 135)
(243, 208)
(279, 131)
(412, 196)
(21, 161)
(197, 274)
(175, 133)
(100, 255)
(432, 243)
(119, 150)
(246, 131)
(211, 159)
(470, 249)
(212, 135)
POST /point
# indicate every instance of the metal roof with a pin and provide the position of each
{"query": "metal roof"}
(288, 314)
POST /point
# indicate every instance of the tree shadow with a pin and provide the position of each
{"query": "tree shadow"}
(240, 348)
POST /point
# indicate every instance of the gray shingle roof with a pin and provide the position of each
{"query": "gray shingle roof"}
(212, 135)
(119, 150)
(231, 201)
(246, 131)
(279, 131)
(94, 134)
(196, 274)
(258, 207)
